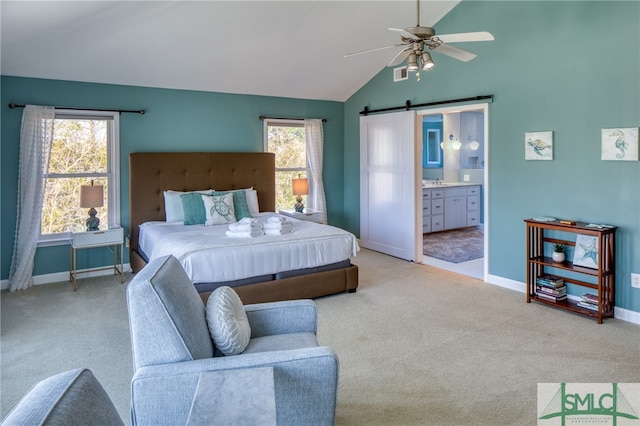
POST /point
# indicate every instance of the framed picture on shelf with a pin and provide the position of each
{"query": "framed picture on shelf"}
(586, 251)
(620, 144)
(538, 146)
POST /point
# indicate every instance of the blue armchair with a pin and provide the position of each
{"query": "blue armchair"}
(172, 348)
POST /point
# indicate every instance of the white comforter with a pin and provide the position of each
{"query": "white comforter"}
(208, 255)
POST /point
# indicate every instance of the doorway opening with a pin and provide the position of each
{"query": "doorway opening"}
(459, 159)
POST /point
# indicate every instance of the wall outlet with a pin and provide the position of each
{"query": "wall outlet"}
(126, 242)
(635, 280)
(465, 178)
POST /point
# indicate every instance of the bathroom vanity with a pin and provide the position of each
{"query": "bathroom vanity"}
(447, 205)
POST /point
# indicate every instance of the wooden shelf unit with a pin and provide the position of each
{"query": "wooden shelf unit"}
(604, 274)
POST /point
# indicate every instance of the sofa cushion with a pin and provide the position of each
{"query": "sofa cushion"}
(166, 316)
(228, 322)
(71, 398)
(281, 342)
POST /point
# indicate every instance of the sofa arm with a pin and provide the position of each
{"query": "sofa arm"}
(305, 382)
(292, 316)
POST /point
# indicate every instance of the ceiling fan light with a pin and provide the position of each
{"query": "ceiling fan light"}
(412, 62)
(427, 62)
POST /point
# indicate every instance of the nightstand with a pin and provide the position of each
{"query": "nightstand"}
(112, 237)
(308, 215)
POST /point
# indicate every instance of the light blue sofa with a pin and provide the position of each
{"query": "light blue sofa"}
(71, 398)
(172, 347)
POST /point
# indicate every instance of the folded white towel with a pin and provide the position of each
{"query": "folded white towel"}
(276, 219)
(272, 231)
(244, 234)
(248, 220)
(278, 225)
(237, 226)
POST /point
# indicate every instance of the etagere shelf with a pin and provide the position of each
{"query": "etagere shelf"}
(603, 275)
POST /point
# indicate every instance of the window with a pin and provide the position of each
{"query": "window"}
(84, 150)
(286, 139)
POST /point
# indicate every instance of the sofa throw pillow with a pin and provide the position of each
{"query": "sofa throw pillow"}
(241, 208)
(227, 320)
(173, 209)
(193, 207)
(218, 209)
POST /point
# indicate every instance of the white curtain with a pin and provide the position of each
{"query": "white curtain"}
(36, 135)
(315, 143)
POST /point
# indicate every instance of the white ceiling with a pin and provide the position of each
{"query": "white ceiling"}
(274, 48)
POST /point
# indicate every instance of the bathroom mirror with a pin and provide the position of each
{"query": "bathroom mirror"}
(431, 139)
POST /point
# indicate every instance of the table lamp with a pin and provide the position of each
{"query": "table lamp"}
(300, 186)
(92, 196)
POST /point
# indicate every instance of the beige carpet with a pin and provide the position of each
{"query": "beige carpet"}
(417, 345)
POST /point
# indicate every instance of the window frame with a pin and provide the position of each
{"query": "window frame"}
(283, 122)
(112, 174)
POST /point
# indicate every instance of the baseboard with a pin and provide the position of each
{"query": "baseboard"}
(57, 277)
(620, 313)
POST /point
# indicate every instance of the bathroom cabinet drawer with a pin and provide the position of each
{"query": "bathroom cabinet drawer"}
(472, 218)
(437, 193)
(472, 202)
(426, 226)
(437, 223)
(455, 192)
(437, 206)
(474, 190)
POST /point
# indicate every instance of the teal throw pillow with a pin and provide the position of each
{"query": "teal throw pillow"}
(241, 208)
(193, 207)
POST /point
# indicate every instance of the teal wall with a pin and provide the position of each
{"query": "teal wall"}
(570, 67)
(175, 120)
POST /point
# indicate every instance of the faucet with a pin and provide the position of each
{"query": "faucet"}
(437, 181)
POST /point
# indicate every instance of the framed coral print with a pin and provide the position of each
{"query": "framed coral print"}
(538, 146)
(620, 144)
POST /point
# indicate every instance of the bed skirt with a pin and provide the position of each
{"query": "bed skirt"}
(271, 288)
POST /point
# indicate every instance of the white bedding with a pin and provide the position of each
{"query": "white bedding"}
(208, 255)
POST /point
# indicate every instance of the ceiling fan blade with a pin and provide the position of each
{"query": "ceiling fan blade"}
(454, 52)
(463, 37)
(400, 57)
(373, 50)
(405, 33)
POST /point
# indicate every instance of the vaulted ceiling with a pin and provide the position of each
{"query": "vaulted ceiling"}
(273, 48)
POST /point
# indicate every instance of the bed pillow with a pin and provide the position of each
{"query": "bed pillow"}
(193, 208)
(240, 205)
(252, 201)
(173, 204)
(219, 209)
(228, 323)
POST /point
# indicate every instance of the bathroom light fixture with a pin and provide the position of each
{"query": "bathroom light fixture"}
(455, 143)
(474, 145)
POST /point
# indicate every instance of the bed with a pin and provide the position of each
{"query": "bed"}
(151, 174)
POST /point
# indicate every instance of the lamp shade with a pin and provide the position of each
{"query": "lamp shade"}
(91, 196)
(300, 186)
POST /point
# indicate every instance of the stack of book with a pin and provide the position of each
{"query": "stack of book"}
(589, 301)
(552, 288)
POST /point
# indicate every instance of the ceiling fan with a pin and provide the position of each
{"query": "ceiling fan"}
(417, 42)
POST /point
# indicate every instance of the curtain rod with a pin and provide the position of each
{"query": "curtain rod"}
(408, 105)
(120, 111)
(263, 117)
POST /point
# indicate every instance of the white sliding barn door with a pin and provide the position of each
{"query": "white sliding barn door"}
(388, 194)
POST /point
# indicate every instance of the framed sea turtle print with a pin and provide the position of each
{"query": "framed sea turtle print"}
(620, 144)
(538, 145)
